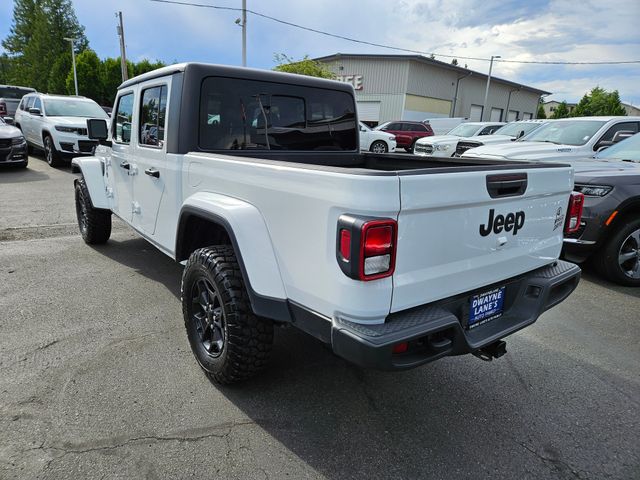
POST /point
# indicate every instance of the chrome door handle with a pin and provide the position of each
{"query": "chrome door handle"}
(152, 172)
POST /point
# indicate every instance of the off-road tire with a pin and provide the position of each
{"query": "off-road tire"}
(51, 155)
(94, 223)
(606, 260)
(247, 338)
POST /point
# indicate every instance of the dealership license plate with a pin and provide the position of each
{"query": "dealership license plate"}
(485, 307)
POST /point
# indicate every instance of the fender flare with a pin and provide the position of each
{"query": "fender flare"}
(251, 241)
(92, 170)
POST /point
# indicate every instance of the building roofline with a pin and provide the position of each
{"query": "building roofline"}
(431, 61)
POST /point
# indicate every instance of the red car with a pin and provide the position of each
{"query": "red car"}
(407, 132)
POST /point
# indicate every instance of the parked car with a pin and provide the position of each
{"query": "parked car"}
(58, 124)
(376, 141)
(562, 140)
(445, 145)
(13, 148)
(609, 232)
(509, 133)
(442, 125)
(10, 96)
(391, 262)
(106, 109)
(406, 133)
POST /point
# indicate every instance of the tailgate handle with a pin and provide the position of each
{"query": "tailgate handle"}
(509, 185)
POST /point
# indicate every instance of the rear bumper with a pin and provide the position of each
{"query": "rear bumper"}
(437, 330)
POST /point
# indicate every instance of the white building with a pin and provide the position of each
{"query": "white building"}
(413, 87)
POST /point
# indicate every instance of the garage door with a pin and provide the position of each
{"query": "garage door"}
(496, 115)
(475, 115)
(526, 116)
(512, 116)
(369, 111)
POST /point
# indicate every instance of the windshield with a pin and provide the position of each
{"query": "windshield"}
(464, 130)
(14, 93)
(514, 129)
(73, 108)
(628, 149)
(572, 132)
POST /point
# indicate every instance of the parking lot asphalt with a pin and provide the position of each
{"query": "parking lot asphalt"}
(98, 381)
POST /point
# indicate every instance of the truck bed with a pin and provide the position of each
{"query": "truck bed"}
(381, 164)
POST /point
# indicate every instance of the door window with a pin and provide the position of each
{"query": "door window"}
(153, 110)
(123, 117)
(37, 104)
(623, 126)
(394, 126)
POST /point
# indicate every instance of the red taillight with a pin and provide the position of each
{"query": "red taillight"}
(365, 248)
(377, 249)
(574, 213)
(401, 347)
(345, 244)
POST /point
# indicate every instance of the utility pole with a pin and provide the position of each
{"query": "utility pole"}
(244, 33)
(486, 92)
(73, 59)
(123, 55)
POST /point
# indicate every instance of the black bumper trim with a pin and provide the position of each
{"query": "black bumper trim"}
(437, 329)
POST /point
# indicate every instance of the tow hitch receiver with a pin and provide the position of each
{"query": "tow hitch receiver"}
(494, 350)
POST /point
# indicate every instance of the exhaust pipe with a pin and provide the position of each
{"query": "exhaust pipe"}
(494, 350)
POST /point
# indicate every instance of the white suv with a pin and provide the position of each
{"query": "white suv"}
(562, 140)
(376, 141)
(445, 145)
(58, 124)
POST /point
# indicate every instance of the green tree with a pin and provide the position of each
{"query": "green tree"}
(36, 39)
(306, 66)
(89, 80)
(599, 102)
(541, 113)
(561, 111)
(144, 66)
(7, 67)
(60, 70)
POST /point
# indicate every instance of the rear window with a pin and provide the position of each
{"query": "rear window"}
(14, 93)
(237, 114)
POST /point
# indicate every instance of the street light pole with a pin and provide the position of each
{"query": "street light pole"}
(73, 59)
(244, 33)
(486, 92)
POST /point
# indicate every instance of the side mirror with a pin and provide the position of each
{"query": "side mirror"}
(97, 130)
(520, 134)
(35, 111)
(8, 120)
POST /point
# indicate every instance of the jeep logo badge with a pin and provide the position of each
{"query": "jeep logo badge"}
(497, 223)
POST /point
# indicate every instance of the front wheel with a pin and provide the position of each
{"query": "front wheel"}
(379, 147)
(50, 153)
(94, 223)
(619, 259)
(228, 340)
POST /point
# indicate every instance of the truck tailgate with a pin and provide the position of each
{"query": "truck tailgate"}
(454, 236)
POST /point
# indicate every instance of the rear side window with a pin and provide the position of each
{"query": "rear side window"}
(123, 117)
(153, 107)
(238, 114)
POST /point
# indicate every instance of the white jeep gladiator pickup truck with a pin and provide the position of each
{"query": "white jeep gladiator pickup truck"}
(254, 180)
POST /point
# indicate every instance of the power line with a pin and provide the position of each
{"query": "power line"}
(390, 47)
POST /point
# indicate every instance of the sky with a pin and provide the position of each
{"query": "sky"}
(547, 30)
